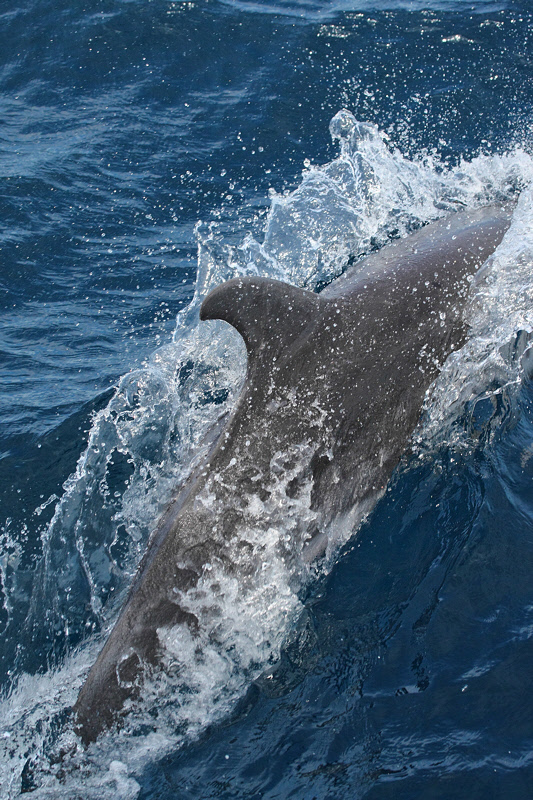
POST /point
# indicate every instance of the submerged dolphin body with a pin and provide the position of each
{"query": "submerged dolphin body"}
(334, 389)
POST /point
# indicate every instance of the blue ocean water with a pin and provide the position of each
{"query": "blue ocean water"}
(149, 150)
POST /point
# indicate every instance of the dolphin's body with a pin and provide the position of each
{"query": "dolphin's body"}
(334, 389)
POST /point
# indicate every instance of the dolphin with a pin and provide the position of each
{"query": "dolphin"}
(334, 389)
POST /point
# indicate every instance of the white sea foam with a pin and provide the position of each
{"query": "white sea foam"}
(153, 430)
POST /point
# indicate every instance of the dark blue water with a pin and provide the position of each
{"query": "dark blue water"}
(404, 669)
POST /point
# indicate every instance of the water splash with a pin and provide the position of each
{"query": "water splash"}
(151, 435)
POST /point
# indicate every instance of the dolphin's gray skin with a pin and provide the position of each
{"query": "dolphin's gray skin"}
(338, 376)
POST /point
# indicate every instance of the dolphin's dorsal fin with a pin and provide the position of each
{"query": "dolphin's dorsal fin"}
(268, 314)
